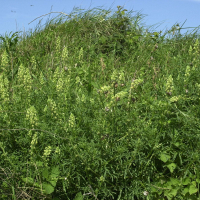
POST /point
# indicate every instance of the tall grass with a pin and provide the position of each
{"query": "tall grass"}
(96, 107)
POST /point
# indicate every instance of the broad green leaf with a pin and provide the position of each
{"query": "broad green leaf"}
(45, 173)
(172, 193)
(171, 167)
(153, 189)
(39, 164)
(174, 181)
(164, 157)
(48, 188)
(185, 191)
(186, 181)
(28, 180)
(194, 183)
(168, 194)
(198, 180)
(53, 183)
(78, 196)
(192, 189)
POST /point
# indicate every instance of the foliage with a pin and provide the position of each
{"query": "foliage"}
(94, 108)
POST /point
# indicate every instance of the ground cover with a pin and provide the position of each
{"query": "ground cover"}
(94, 106)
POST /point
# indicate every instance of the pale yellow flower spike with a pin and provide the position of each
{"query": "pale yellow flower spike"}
(31, 116)
(4, 61)
(72, 120)
(169, 85)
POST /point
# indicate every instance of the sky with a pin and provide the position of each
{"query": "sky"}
(16, 15)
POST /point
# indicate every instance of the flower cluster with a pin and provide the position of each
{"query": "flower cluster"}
(72, 121)
(58, 46)
(42, 79)
(169, 85)
(80, 57)
(105, 89)
(174, 99)
(4, 60)
(59, 86)
(52, 107)
(195, 52)
(120, 95)
(33, 62)
(57, 150)
(25, 78)
(4, 116)
(31, 116)
(64, 54)
(34, 142)
(47, 152)
(187, 74)
(57, 74)
(114, 76)
(118, 77)
(4, 85)
(135, 83)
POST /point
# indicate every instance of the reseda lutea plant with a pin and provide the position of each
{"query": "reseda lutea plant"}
(99, 110)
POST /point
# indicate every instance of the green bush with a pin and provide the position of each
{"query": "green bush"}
(94, 108)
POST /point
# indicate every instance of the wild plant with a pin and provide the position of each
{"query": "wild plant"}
(96, 108)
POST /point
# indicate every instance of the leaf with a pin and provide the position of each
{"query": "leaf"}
(192, 189)
(45, 173)
(28, 180)
(168, 194)
(78, 196)
(198, 180)
(174, 181)
(164, 157)
(55, 172)
(39, 164)
(173, 192)
(186, 181)
(185, 191)
(171, 167)
(48, 188)
(53, 183)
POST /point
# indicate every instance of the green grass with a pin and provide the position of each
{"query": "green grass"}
(92, 106)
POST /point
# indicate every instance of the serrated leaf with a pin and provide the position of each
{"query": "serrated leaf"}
(78, 196)
(192, 189)
(164, 157)
(171, 167)
(55, 172)
(48, 188)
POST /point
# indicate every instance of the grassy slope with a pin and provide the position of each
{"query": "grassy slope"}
(94, 106)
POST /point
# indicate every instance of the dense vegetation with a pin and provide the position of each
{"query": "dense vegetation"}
(93, 106)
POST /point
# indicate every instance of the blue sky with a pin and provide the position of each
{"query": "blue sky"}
(15, 15)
